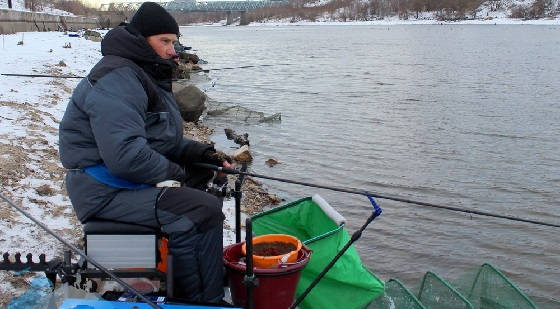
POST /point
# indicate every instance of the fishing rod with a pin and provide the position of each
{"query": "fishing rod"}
(194, 71)
(40, 75)
(245, 67)
(376, 195)
(82, 254)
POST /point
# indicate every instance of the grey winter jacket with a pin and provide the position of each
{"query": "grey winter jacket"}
(123, 115)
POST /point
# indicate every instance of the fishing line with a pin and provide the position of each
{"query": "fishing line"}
(196, 71)
(245, 67)
(377, 195)
(269, 89)
(82, 254)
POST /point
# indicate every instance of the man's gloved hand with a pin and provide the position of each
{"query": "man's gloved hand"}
(197, 152)
(212, 156)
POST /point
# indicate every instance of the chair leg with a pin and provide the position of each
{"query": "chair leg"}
(169, 277)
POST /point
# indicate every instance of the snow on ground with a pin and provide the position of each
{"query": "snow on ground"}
(316, 3)
(30, 172)
(19, 5)
(485, 15)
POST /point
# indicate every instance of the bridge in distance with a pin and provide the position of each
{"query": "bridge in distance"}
(203, 6)
(200, 6)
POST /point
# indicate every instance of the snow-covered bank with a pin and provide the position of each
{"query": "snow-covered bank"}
(45, 10)
(392, 21)
(360, 12)
(19, 5)
(389, 21)
(30, 172)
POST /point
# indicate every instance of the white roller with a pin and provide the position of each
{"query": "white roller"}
(328, 210)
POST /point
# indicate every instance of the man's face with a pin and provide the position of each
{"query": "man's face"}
(162, 44)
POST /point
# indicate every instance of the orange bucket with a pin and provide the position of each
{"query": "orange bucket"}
(274, 260)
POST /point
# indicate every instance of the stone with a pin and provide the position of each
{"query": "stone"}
(190, 100)
(243, 155)
(92, 33)
(238, 139)
(45, 190)
(274, 200)
(271, 162)
(93, 36)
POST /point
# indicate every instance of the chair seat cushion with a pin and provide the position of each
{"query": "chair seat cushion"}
(116, 227)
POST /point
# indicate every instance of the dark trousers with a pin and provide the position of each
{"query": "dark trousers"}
(194, 221)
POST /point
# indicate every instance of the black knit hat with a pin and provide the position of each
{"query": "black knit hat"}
(151, 19)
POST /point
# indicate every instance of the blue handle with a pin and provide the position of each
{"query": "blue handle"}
(376, 208)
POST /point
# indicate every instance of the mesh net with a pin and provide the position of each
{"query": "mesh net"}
(396, 295)
(239, 113)
(484, 288)
(437, 293)
(488, 288)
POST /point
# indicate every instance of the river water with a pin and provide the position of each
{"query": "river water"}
(459, 115)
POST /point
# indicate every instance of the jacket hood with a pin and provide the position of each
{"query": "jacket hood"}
(127, 43)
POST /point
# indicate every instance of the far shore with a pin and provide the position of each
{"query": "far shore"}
(392, 21)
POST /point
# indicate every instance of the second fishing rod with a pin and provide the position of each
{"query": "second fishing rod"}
(376, 195)
(194, 71)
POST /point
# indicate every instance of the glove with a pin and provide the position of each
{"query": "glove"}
(211, 156)
(199, 177)
(197, 152)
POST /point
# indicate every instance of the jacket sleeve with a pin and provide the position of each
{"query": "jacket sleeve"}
(192, 151)
(117, 107)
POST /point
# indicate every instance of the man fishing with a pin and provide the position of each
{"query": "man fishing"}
(122, 135)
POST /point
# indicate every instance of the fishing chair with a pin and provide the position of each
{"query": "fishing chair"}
(129, 250)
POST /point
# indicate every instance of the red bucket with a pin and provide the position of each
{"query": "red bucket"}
(276, 286)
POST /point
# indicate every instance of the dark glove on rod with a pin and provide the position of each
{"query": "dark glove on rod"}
(211, 156)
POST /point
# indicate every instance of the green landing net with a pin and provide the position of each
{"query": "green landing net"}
(436, 293)
(396, 295)
(348, 284)
(484, 288)
(490, 289)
